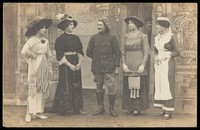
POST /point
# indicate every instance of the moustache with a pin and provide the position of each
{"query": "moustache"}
(99, 28)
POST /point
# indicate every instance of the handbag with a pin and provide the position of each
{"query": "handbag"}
(134, 82)
(134, 86)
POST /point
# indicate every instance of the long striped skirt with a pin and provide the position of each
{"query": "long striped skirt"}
(38, 83)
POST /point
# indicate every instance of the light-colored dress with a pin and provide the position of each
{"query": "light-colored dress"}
(37, 55)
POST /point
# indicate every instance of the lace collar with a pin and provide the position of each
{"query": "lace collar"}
(163, 39)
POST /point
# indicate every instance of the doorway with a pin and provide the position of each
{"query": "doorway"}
(143, 11)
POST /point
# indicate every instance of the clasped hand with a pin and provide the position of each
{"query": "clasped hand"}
(75, 68)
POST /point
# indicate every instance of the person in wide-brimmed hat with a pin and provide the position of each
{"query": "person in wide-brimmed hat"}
(135, 20)
(69, 54)
(135, 54)
(65, 20)
(36, 25)
(166, 49)
(37, 53)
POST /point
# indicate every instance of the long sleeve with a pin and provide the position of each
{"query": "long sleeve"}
(26, 53)
(60, 52)
(175, 47)
(80, 57)
(124, 51)
(90, 47)
(116, 50)
(80, 47)
(146, 48)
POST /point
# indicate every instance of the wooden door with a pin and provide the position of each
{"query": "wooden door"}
(141, 10)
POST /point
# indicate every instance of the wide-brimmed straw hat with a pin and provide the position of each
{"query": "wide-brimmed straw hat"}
(135, 20)
(31, 28)
(63, 19)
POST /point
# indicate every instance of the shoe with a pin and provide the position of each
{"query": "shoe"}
(100, 99)
(167, 116)
(112, 112)
(136, 113)
(128, 112)
(111, 105)
(161, 113)
(28, 118)
(100, 111)
(41, 116)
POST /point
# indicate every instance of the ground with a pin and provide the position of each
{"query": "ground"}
(13, 116)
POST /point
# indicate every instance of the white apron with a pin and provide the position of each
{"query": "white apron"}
(162, 88)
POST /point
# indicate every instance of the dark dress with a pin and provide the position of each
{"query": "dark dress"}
(68, 95)
(135, 52)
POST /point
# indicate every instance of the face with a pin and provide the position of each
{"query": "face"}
(100, 26)
(131, 25)
(70, 27)
(42, 31)
(160, 28)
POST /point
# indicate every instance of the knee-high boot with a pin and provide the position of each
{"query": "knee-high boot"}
(100, 98)
(111, 105)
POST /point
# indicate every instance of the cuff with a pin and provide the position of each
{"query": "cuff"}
(63, 60)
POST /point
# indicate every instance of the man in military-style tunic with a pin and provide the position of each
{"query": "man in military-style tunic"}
(103, 49)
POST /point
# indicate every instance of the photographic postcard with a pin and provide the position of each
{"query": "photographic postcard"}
(16, 70)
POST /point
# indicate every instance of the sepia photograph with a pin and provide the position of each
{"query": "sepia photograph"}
(99, 65)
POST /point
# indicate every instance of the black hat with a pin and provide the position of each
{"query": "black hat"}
(63, 19)
(163, 21)
(135, 20)
(37, 23)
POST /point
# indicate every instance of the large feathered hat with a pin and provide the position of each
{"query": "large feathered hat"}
(36, 24)
(64, 20)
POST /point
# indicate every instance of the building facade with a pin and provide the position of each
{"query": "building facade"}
(16, 16)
